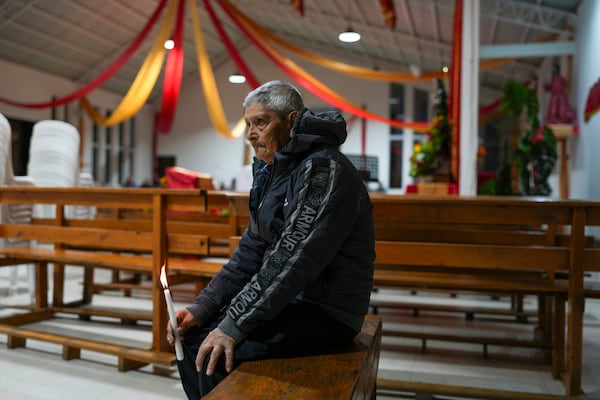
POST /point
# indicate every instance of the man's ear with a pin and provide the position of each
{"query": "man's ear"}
(292, 119)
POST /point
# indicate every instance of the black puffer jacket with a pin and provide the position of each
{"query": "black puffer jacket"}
(310, 236)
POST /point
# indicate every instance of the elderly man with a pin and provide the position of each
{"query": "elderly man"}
(300, 280)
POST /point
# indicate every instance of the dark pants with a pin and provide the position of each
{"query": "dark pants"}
(300, 329)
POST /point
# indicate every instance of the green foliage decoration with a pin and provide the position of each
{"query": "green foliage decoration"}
(535, 153)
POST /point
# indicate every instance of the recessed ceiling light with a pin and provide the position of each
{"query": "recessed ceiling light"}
(349, 36)
(237, 78)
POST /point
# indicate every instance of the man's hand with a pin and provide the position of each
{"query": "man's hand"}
(185, 320)
(215, 344)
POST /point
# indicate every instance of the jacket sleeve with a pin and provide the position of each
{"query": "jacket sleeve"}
(238, 271)
(321, 219)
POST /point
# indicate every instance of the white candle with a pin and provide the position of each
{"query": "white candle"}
(171, 310)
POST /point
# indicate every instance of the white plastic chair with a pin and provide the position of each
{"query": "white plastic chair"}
(53, 159)
(82, 212)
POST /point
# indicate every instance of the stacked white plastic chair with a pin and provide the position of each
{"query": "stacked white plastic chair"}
(53, 159)
(13, 213)
(83, 212)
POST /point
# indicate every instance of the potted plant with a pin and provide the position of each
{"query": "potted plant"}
(535, 152)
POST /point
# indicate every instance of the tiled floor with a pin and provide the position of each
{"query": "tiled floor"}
(38, 371)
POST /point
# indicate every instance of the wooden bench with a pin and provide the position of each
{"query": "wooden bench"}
(118, 245)
(348, 374)
(498, 246)
(500, 257)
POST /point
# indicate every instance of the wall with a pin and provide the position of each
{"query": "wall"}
(31, 86)
(584, 160)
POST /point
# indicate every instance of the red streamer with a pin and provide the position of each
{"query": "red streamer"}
(389, 13)
(104, 76)
(311, 87)
(363, 136)
(298, 6)
(173, 75)
(237, 59)
(486, 109)
(455, 91)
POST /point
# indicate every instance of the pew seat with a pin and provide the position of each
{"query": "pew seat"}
(350, 374)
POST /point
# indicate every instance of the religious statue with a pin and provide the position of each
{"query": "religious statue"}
(559, 110)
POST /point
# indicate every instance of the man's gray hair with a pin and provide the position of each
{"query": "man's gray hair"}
(277, 96)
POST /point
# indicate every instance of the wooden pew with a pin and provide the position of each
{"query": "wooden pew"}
(220, 220)
(551, 240)
(348, 374)
(239, 216)
(509, 261)
(127, 246)
(500, 246)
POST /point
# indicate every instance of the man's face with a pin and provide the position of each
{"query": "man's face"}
(265, 131)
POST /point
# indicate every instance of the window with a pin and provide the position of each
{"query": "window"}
(112, 153)
(407, 103)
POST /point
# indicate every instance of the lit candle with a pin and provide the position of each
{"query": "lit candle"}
(171, 310)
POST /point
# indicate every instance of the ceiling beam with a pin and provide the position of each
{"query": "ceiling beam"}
(527, 50)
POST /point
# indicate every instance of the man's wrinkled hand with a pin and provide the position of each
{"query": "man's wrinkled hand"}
(215, 344)
(185, 320)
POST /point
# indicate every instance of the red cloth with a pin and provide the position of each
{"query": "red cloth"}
(592, 104)
(389, 13)
(298, 6)
(181, 178)
(172, 76)
(559, 110)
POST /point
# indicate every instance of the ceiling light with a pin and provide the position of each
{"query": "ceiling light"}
(445, 69)
(169, 44)
(349, 36)
(237, 78)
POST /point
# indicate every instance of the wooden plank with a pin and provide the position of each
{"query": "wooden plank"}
(470, 210)
(428, 390)
(110, 312)
(145, 356)
(468, 255)
(454, 282)
(468, 338)
(124, 262)
(160, 255)
(349, 374)
(113, 239)
(572, 378)
(469, 311)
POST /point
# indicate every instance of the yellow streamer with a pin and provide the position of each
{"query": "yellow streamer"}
(144, 82)
(209, 84)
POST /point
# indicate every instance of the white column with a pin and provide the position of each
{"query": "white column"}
(469, 101)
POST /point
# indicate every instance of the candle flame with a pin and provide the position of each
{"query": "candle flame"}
(163, 277)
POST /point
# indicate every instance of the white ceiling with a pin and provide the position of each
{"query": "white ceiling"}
(78, 39)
